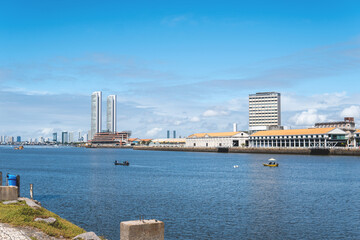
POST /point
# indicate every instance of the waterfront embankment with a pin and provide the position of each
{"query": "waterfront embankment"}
(301, 151)
(26, 219)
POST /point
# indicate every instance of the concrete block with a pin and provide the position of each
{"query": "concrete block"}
(142, 230)
(8, 193)
(31, 203)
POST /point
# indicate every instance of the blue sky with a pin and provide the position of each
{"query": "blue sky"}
(179, 65)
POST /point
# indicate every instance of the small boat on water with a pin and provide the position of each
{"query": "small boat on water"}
(125, 163)
(271, 163)
(19, 148)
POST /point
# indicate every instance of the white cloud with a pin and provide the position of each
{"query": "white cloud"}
(195, 119)
(293, 102)
(352, 111)
(214, 113)
(308, 118)
(47, 131)
(153, 132)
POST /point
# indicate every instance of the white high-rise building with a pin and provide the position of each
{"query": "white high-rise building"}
(85, 137)
(264, 111)
(95, 113)
(111, 113)
(71, 137)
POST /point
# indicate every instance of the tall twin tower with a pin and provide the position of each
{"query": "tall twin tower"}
(96, 123)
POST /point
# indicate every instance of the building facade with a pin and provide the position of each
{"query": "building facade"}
(264, 111)
(303, 138)
(64, 137)
(347, 125)
(95, 113)
(110, 139)
(357, 138)
(221, 139)
(111, 113)
(168, 142)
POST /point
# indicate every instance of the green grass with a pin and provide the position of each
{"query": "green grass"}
(20, 214)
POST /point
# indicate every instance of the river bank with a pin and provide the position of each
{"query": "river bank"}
(26, 219)
(299, 151)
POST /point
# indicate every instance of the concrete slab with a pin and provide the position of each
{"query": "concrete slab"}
(10, 202)
(29, 202)
(142, 230)
(87, 236)
(8, 193)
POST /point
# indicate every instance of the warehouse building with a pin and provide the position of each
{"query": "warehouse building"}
(307, 138)
(221, 139)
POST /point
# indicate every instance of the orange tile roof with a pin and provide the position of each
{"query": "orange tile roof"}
(357, 131)
(146, 140)
(133, 139)
(306, 131)
(219, 134)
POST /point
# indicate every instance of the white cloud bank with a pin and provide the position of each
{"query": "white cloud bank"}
(153, 132)
(214, 113)
(308, 118)
(352, 111)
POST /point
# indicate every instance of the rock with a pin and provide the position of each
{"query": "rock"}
(87, 236)
(30, 203)
(10, 202)
(47, 220)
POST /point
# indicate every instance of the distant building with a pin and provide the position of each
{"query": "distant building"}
(357, 138)
(348, 125)
(264, 111)
(111, 113)
(85, 137)
(54, 137)
(219, 139)
(302, 138)
(18, 139)
(11, 140)
(71, 137)
(95, 113)
(174, 134)
(168, 134)
(79, 138)
(64, 137)
(168, 142)
(134, 141)
(110, 139)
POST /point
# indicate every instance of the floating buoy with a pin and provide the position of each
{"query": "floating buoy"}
(236, 166)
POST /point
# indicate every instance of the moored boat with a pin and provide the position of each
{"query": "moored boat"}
(271, 163)
(125, 163)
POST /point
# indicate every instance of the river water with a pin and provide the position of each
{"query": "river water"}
(197, 195)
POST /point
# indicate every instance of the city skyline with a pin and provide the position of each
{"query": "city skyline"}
(182, 66)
